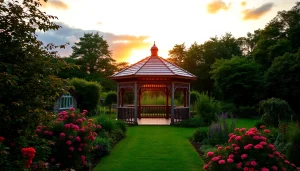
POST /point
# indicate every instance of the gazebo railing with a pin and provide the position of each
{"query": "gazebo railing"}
(155, 111)
(181, 113)
(126, 114)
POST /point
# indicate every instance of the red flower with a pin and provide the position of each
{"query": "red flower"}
(267, 131)
(262, 127)
(274, 168)
(253, 163)
(264, 169)
(230, 160)
(210, 154)
(243, 156)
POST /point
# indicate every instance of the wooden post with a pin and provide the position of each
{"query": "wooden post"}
(118, 93)
(184, 98)
(139, 109)
(135, 103)
(189, 99)
(122, 97)
(172, 104)
(167, 103)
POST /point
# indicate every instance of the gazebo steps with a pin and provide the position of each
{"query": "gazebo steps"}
(154, 121)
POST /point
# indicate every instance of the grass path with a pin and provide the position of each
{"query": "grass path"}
(157, 148)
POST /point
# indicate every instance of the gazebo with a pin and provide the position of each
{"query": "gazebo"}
(153, 73)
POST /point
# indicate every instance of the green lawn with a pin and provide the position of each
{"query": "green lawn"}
(156, 148)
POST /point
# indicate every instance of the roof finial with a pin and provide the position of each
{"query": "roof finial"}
(154, 50)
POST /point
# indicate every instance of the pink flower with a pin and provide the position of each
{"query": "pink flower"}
(271, 146)
(239, 165)
(205, 166)
(253, 163)
(274, 168)
(69, 142)
(293, 165)
(271, 155)
(238, 138)
(221, 162)
(236, 148)
(286, 161)
(230, 160)
(262, 138)
(79, 149)
(71, 148)
(231, 156)
(256, 137)
(99, 126)
(267, 131)
(234, 145)
(246, 169)
(67, 126)
(243, 129)
(264, 169)
(38, 130)
(243, 156)
(277, 153)
(258, 146)
(236, 129)
(79, 120)
(72, 109)
(78, 139)
(72, 115)
(62, 135)
(71, 137)
(263, 143)
(247, 147)
(220, 148)
(262, 127)
(46, 132)
(85, 111)
(215, 158)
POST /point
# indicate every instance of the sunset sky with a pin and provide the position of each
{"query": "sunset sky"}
(131, 26)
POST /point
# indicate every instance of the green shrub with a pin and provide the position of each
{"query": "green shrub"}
(274, 111)
(102, 146)
(88, 94)
(207, 108)
(111, 98)
(194, 95)
(122, 125)
(108, 124)
(218, 132)
(293, 152)
(191, 122)
(247, 112)
(199, 135)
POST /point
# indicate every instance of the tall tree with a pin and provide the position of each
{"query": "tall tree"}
(283, 79)
(177, 54)
(93, 54)
(27, 69)
(236, 79)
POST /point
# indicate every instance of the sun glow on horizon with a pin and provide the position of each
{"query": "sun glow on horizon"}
(139, 54)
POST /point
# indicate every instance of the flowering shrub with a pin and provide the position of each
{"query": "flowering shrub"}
(71, 138)
(248, 150)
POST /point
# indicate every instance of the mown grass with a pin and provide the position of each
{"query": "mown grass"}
(153, 148)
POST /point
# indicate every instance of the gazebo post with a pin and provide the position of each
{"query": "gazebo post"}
(139, 103)
(172, 104)
(135, 103)
(167, 103)
(118, 93)
(189, 99)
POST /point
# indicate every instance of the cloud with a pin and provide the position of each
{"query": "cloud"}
(99, 23)
(215, 6)
(254, 14)
(243, 3)
(54, 4)
(121, 45)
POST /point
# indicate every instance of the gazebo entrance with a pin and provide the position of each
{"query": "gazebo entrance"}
(153, 73)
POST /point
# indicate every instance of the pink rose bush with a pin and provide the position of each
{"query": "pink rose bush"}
(248, 150)
(71, 138)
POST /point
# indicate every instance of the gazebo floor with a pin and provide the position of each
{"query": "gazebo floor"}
(154, 121)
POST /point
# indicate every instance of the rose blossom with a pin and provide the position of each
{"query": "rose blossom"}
(221, 162)
(274, 168)
(253, 163)
(243, 156)
(230, 160)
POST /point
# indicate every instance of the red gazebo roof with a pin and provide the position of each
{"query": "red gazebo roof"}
(153, 66)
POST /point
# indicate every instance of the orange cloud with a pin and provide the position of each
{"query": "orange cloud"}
(254, 14)
(215, 6)
(244, 3)
(54, 4)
